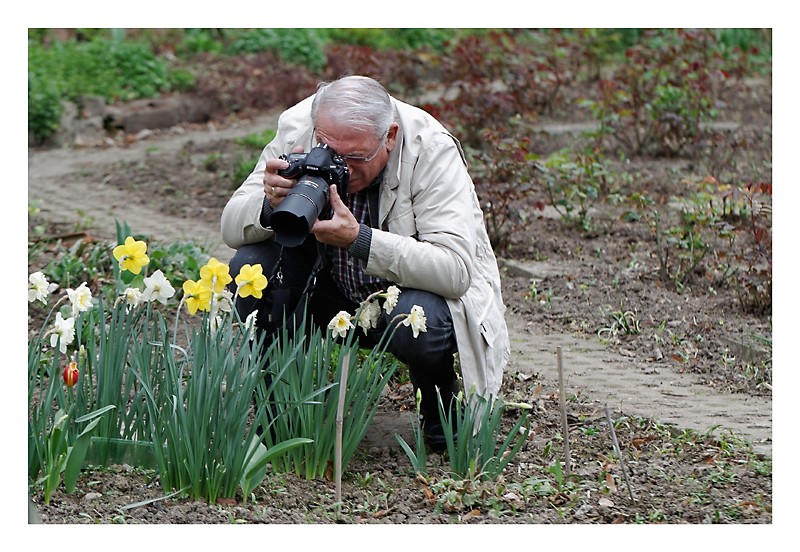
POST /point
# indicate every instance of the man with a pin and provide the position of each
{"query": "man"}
(410, 218)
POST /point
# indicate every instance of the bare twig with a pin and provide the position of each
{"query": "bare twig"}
(562, 400)
(619, 453)
(339, 424)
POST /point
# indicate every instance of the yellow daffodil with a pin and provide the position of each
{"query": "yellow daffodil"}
(132, 255)
(340, 324)
(416, 319)
(197, 296)
(216, 274)
(250, 281)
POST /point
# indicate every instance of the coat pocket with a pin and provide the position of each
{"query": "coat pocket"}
(492, 325)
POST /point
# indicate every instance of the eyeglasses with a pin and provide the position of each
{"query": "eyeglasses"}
(360, 159)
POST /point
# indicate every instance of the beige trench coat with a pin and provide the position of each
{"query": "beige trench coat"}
(431, 232)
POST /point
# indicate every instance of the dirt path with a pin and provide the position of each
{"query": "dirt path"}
(633, 386)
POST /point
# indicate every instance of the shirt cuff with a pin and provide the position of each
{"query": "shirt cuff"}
(360, 248)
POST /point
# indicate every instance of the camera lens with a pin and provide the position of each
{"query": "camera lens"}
(299, 210)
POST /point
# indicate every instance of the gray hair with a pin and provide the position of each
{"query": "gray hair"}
(361, 102)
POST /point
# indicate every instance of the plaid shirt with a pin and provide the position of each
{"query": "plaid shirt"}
(347, 270)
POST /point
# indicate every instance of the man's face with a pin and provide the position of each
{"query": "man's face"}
(365, 154)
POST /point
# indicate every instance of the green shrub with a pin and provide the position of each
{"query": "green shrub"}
(304, 47)
(113, 70)
(44, 107)
(575, 181)
(398, 39)
(655, 102)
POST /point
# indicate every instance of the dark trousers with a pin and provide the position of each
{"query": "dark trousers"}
(429, 356)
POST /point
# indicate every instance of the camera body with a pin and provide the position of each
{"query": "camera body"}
(308, 200)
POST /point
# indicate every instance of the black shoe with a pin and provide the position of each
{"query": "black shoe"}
(432, 425)
(445, 387)
(433, 433)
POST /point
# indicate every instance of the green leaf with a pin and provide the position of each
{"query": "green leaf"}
(94, 414)
(76, 454)
(256, 464)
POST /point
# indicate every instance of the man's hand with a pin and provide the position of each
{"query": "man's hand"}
(276, 187)
(342, 229)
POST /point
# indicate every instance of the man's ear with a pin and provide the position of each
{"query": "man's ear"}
(391, 136)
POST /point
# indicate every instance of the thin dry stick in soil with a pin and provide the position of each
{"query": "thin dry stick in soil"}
(339, 424)
(562, 400)
(619, 453)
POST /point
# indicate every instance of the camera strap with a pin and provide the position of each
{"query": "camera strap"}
(285, 303)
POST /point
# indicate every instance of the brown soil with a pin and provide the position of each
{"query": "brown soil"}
(692, 390)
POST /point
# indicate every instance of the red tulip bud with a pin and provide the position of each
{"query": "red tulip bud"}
(70, 374)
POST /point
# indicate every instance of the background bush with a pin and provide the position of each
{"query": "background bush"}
(281, 64)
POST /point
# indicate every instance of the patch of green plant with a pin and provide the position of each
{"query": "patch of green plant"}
(575, 181)
(184, 409)
(454, 495)
(200, 408)
(304, 47)
(256, 140)
(44, 107)
(305, 395)
(58, 437)
(397, 39)
(195, 41)
(624, 322)
(680, 248)
(84, 260)
(721, 474)
(747, 225)
(762, 467)
(253, 143)
(655, 101)
(472, 432)
(178, 260)
(112, 69)
(749, 49)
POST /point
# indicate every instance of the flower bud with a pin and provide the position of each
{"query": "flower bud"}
(70, 374)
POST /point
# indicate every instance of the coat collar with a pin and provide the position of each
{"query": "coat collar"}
(391, 178)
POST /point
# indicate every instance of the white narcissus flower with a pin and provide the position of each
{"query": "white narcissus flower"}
(157, 288)
(250, 324)
(340, 324)
(39, 288)
(222, 302)
(64, 329)
(368, 315)
(416, 319)
(392, 293)
(214, 323)
(132, 297)
(81, 299)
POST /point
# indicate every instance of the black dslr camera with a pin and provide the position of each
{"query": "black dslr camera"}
(308, 201)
